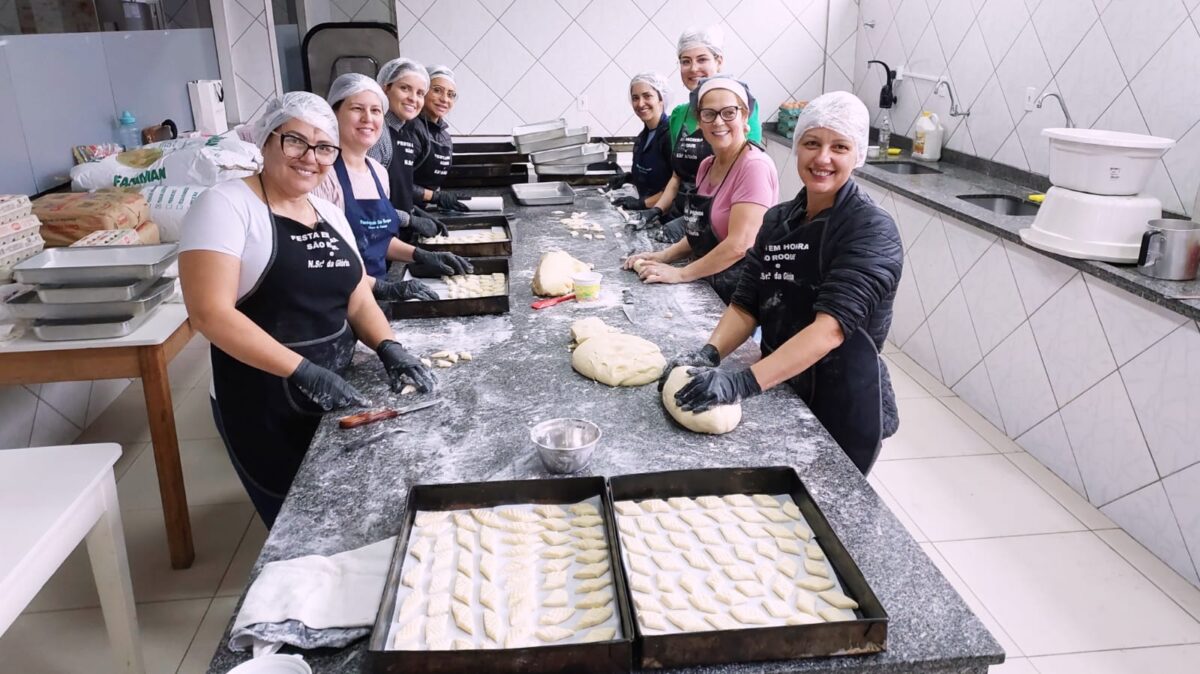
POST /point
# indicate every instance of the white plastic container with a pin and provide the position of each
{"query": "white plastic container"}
(928, 134)
(1103, 162)
(276, 663)
(1090, 226)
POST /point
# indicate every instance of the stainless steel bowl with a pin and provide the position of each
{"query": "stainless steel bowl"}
(565, 445)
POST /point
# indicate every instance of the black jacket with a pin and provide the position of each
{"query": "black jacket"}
(652, 165)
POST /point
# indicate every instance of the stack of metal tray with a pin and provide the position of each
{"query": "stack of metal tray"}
(93, 292)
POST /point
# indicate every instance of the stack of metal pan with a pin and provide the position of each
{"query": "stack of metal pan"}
(556, 150)
(93, 292)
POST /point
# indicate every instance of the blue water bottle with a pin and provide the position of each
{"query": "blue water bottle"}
(128, 134)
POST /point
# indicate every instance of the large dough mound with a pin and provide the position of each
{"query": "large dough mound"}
(718, 420)
(589, 327)
(553, 275)
(618, 359)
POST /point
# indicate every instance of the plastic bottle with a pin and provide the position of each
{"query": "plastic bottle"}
(885, 132)
(129, 135)
(927, 137)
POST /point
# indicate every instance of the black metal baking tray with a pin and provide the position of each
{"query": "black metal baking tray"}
(472, 306)
(486, 175)
(593, 658)
(867, 634)
(475, 221)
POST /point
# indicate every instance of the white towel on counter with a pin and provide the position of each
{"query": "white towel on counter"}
(313, 601)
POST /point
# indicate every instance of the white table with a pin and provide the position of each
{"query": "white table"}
(144, 353)
(50, 499)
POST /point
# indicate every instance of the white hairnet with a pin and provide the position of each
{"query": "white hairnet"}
(350, 84)
(301, 105)
(656, 82)
(739, 89)
(711, 38)
(839, 111)
(397, 68)
(443, 72)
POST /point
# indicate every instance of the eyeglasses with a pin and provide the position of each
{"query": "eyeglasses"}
(443, 91)
(730, 113)
(296, 147)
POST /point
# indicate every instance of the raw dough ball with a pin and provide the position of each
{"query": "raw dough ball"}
(717, 420)
(618, 359)
(638, 264)
(589, 327)
(554, 272)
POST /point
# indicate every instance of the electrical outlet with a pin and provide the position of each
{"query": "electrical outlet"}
(581, 103)
(1030, 95)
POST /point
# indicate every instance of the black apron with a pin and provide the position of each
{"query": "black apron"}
(652, 159)
(432, 169)
(400, 170)
(697, 213)
(843, 389)
(301, 300)
(690, 149)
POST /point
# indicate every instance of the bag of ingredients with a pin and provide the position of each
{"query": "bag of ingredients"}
(168, 205)
(183, 161)
(69, 216)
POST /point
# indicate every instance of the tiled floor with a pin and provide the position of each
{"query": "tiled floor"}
(1062, 589)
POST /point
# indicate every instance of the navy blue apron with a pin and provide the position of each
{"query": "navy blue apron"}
(652, 159)
(843, 389)
(301, 300)
(373, 221)
(400, 170)
(433, 168)
(690, 149)
(697, 213)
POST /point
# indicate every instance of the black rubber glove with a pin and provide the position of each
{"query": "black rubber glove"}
(401, 291)
(618, 180)
(448, 201)
(630, 203)
(705, 356)
(401, 364)
(672, 231)
(651, 216)
(710, 387)
(325, 388)
(426, 225)
(446, 264)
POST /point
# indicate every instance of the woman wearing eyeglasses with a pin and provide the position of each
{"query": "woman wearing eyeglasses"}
(701, 56)
(272, 278)
(734, 188)
(355, 186)
(433, 166)
(405, 83)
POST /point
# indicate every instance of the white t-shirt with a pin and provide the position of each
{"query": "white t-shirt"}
(361, 182)
(230, 218)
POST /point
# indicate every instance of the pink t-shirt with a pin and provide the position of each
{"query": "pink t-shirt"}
(752, 179)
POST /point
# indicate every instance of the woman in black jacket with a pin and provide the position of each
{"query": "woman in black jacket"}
(820, 281)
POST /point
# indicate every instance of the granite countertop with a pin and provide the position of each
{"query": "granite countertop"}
(521, 374)
(940, 192)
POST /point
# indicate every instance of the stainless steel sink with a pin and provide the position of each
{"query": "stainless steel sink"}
(904, 168)
(1001, 203)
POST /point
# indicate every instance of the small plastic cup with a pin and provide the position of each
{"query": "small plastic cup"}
(587, 286)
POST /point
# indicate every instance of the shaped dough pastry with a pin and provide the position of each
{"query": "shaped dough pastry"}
(720, 621)
(681, 503)
(519, 515)
(788, 566)
(593, 533)
(554, 633)
(628, 508)
(739, 573)
(803, 532)
(709, 536)
(744, 553)
(686, 622)
(595, 616)
(767, 550)
(599, 634)
(674, 601)
(407, 634)
(777, 609)
(462, 588)
(838, 600)
(427, 517)
(659, 544)
(646, 524)
(557, 564)
(640, 564)
(814, 551)
(554, 524)
(696, 519)
(717, 420)
(748, 614)
(555, 538)
(488, 539)
(803, 619)
(557, 598)
(593, 584)
(634, 545)
(722, 557)
(806, 602)
(680, 541)
(412, 603)
(739, 500)
(557, 552)
(651, 620)
(555, 580)
(489, 596)
(439, 604)
(834, 615)
(815, 568)
(703, 604)
(466, 521)
(710, 502)
(775, 515)
(592, 570)
(583, 508)
(791, 510)
(671, 523)
(815, 584)
(556, 616)
(655, 505)
(749, 588)
(492, 626)
(697, 560)
(463, 617)
(412, 577)
(789, 546)
(590, 544)
(640, 583)
(764, 501)
(587, 521)
(591, 556)
(668, 563)
(549, 510)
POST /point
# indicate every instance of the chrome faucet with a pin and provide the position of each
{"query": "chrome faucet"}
(1061, 103)
(954, 111)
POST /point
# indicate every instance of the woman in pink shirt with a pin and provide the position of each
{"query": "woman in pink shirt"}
(735, 187)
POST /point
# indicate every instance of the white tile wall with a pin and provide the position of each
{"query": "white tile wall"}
(1095, 383)
(1121, 64)
(529, 60)
(52, 414)
(244, 32)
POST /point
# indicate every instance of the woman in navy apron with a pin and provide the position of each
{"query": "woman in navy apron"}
(723, 215)
(434, 166)
(405, 83)
(652, 148)
(354, 184)
(701, 55)
(820, 281)
(271, 277)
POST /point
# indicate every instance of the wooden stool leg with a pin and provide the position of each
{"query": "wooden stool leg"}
(153, 364)
(110, 567)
